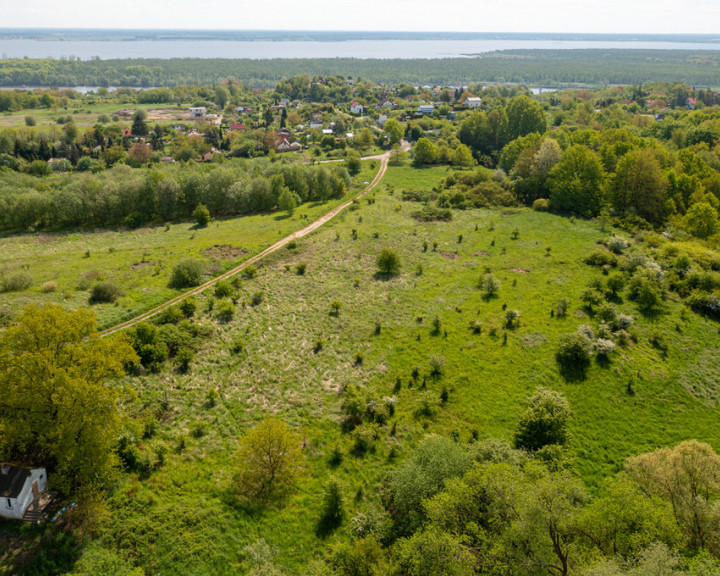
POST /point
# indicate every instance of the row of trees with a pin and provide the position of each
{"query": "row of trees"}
(128, 197)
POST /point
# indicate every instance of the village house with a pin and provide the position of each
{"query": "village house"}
(236, 128)
(19, 488)
(473, 102)
(425, 109)
(382, 119)
(356, 108)
(208, 156)
(198, 112)
(691, 103)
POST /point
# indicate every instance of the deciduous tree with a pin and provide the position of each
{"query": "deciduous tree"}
(56, 406)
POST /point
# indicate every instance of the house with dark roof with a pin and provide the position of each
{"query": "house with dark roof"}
(19, 488)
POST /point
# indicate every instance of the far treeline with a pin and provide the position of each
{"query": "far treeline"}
(539, 67)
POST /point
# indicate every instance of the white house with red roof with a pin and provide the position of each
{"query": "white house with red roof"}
(357, 108)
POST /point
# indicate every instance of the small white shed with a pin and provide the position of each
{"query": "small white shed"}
(19, 487)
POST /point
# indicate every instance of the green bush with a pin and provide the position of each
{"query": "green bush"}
(544, 421)
(573, 353)
(149, 345)
(188, 306)
(223, 289)
(171, 315)
(388, 262)
(105, 292)
(17, 282)
(225, 311)
(201, 215)
(187, 273)
(541, 205)
(333, 509)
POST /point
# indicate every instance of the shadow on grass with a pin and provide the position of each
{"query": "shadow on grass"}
(384, 277)
(573, 372)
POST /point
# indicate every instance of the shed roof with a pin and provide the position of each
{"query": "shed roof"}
(12, 480)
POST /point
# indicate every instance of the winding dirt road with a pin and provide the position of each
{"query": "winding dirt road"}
(384, 159)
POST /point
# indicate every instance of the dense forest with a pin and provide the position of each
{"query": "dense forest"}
(537, 67)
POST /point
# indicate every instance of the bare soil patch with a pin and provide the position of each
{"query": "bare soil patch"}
(520, 270)
(224, 252)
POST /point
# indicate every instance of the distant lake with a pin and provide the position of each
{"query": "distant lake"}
(353, 48)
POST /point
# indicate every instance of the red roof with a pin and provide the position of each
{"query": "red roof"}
(237, 127)
(126, 132)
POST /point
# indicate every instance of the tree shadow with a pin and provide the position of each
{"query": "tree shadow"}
(383, 277)
(573, 372)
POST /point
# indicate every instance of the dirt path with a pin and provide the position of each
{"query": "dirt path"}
(384, 159)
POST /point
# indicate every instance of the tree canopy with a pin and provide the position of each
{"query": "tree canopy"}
(56, 406)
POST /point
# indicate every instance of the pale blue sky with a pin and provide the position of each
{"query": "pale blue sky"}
(619, 16)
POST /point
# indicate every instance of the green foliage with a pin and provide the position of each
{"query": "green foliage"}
(525, 116)
(187, 273)
(701, 220)
(268, 462)
(105, 292)
(53, 373)
(17, 282)
(577, 182)
(388, 262)
(332, 510)
(573, 355)
(435, 461)
(201, 215)
(424, 152)
(147, 341)
(544, 421)
(188, 306)
(434, 552)
(490, 285)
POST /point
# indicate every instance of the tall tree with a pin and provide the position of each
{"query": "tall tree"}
(639, 185)
(139, 127)
(576, 183)
(56, 408)
(524, 117)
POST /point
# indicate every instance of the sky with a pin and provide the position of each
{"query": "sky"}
(587, 16)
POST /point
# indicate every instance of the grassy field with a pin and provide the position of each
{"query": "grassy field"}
(140, 261)
(184, 518)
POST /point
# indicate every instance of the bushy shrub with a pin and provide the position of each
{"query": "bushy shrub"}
(223, 289)
(301, 268)
(188, 306)
(490, 285)
(105, 292)
(645, 289)
(201, 215)
(544, 421)
(148, 344)
(388, 262)
(431, 213)
(541, 205)
(573, 353)
(603, 347)
(49, 287)
(333, 508)
(184, 359)
(704, 303)
(187, 273)
(601, 258)
(171, 315)
(225, 311)
(17, 282)
(617, 244)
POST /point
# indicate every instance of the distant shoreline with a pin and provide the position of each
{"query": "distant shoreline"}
(130, 35)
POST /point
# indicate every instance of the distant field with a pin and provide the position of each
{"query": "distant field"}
(140, 261)
(183, 520)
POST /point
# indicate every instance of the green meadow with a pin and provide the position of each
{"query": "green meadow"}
(63, 266)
